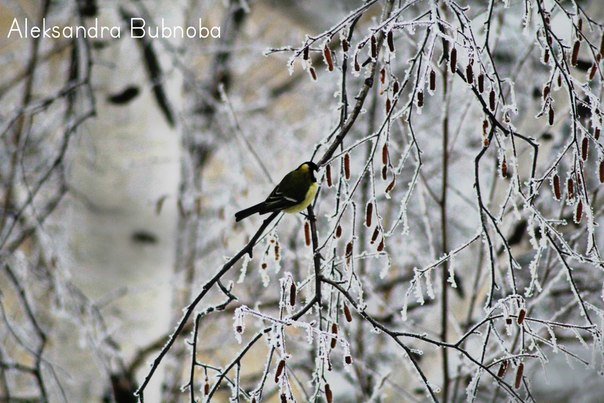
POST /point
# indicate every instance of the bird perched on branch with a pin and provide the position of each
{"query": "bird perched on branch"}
(294, 193)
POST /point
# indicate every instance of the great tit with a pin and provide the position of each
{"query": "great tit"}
(293, 194)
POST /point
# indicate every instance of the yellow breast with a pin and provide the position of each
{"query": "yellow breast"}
(310, 196)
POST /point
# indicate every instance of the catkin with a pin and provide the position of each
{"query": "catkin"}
(347, 313)
(521, 316)
(492, 100)
(279, 371)
(292, 294)
(368, 214)
(307, 233)
(593, 71)
(375, 235)
(481, 83)
(390, 40)
(374, 51)
(390, 186)
(584, 148)
(502, 369)
(347, 166)
(504, 168)
(519, 373)
(579, 212)
(550, 116)
(453, 60)
(575, 55)
(328, 57)
(334, 331)
(328, 394)
(557, 191)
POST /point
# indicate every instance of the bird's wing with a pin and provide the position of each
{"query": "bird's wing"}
(286, 194)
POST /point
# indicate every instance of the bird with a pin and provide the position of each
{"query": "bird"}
(294, 193)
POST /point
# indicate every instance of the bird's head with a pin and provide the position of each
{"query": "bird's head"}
(309, 168)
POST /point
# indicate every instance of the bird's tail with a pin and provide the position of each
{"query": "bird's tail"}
(257, 208)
